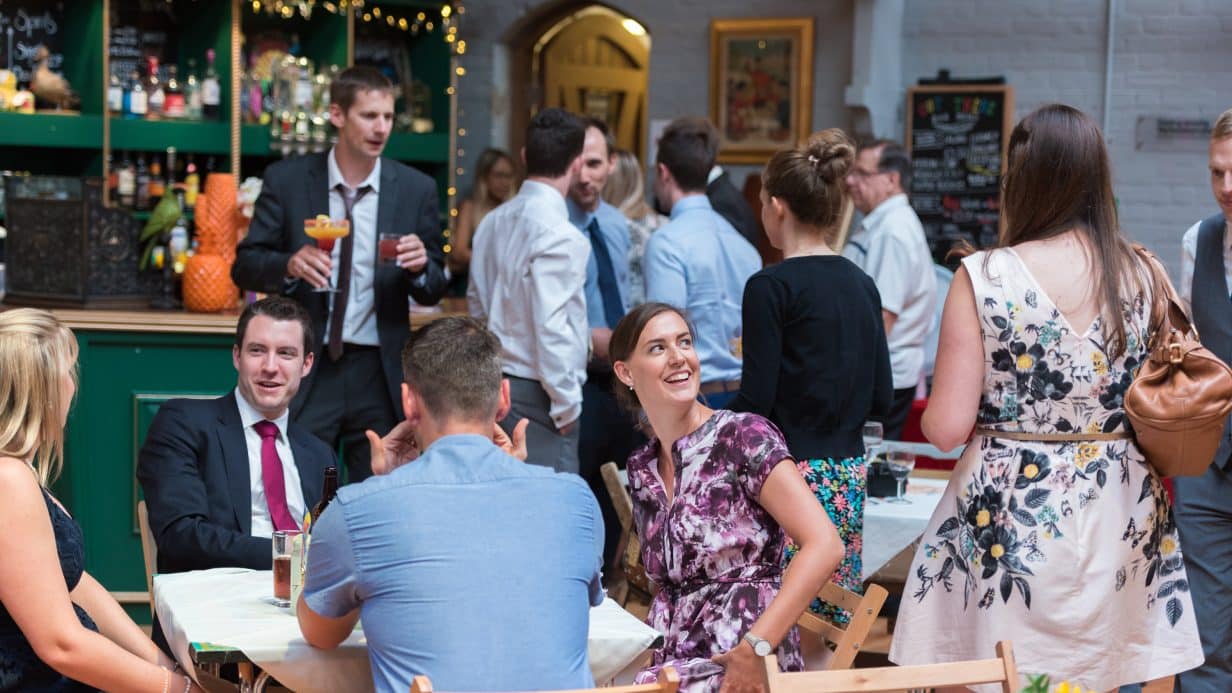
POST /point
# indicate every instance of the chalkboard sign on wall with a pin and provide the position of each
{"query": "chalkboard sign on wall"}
(958, 136)
(24, 26)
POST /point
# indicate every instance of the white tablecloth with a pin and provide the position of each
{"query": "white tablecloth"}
(890, 527)
(229, 607)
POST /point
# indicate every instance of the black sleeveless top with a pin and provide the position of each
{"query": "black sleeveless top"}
(20, 667)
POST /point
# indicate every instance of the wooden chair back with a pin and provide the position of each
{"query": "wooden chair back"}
(846, 640)
(149, 551)
(669, 682)
(626, 577)
(1001, 670)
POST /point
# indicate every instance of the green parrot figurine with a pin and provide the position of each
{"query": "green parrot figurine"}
(162, 218)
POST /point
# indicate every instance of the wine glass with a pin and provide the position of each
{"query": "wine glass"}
(900, 463)
(873, 435)
(325, 231)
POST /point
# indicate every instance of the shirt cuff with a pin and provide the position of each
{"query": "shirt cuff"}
(420, 280)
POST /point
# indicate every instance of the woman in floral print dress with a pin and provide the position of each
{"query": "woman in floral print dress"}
(713, 494)
(1054, 532)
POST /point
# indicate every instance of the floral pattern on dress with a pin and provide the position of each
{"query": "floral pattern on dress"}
(1043, 377)
(840, 486)
(714, 550)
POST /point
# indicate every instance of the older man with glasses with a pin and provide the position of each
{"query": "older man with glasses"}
(891, 248)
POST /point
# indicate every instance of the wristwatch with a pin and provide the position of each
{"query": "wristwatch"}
(761, 646)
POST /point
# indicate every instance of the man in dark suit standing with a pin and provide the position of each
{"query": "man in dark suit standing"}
(728, 201)
(220, 475)
(360, 328)
(1203, 507)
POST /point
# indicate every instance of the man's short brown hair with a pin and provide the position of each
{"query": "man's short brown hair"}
(1223, 126)
(355, 79)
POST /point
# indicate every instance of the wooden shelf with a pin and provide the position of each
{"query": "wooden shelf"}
(404, 146)
(196, 136)
(80, 131)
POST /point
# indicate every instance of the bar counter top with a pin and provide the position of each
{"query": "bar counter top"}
(185, 322)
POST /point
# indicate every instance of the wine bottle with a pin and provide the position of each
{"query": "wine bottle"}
(143, 184)
(210, 90)
(329, 489)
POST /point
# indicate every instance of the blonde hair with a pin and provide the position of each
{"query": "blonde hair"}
(625, 189)
(1223, 126)
(36, 352)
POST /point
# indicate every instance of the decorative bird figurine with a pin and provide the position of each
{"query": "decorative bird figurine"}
(49, 87)
(162, 218)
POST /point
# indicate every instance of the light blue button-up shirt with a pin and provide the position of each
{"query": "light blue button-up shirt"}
(614, 230)
(699, 262)
(468, 566)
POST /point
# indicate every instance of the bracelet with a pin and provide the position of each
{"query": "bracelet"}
(166, 680)
(187, 683)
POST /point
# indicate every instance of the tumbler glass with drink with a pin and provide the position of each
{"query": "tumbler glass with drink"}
(387, 244)
(282, 565)
(325, 231)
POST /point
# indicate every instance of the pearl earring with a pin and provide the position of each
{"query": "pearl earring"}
(630, 387)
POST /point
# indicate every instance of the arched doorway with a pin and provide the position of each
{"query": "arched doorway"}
(588, 58)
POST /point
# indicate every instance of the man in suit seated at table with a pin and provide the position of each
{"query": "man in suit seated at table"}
(220, 475)
(467, 565)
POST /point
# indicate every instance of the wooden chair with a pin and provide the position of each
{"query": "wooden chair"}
(1001, 670)
(627, 579)
(149, 551)
(845, 640)
(668, 682)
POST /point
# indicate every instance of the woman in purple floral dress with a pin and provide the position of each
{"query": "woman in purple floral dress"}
(713, 494)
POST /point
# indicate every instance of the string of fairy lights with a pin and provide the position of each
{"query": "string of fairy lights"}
(415, 22)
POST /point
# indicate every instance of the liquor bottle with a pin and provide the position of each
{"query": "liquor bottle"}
(328, 490)
(126, 182)
(210, 91)
(157, 185)
(115, 95)
(155, 89)
(138, 102)
(170, 173)
(142, 178)
(174, 105)
(192, 183)
(113, 177)
(192, 92)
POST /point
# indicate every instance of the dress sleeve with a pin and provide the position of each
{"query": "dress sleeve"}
(761, 447)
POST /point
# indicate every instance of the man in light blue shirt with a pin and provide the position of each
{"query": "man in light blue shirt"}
(698, 261)
(467, 565)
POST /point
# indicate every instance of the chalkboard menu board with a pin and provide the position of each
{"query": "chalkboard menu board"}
(24, 26)
(958, 136)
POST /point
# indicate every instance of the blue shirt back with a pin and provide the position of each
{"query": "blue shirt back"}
(469, 566)
(699, 262)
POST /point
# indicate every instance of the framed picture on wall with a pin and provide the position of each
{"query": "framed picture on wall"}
(761, 85)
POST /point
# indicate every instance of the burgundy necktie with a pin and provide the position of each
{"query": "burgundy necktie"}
(271, 477)
(344, 272)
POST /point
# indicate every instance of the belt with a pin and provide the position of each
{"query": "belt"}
(714, 387)
(1052, 437)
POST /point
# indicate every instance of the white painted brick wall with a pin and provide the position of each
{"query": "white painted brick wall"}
(1171, 59)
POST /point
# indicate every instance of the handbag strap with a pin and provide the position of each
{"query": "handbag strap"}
(1030, 436)
(1168, 316)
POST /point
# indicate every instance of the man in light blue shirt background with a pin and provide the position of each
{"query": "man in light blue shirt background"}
(467, 565)
(698, 261)
(607, 433)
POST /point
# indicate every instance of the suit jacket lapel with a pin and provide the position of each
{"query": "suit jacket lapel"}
(386, 215)
(318, 187)
(311, 468)
(230, 432)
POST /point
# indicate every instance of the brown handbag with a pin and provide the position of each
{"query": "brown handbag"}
(1179, 402)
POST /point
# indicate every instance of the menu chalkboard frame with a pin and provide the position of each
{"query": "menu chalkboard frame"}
(959, 89)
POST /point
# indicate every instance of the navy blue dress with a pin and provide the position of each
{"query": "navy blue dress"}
(20, 667)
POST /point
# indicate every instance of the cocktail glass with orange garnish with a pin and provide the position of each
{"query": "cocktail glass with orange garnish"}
(325, 231)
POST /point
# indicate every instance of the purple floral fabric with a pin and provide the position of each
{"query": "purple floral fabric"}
(714, 551)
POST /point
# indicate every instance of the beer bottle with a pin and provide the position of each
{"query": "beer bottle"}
(328, 490)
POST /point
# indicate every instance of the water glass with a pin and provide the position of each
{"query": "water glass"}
(282, 565)
(873, 436)
(900, 463)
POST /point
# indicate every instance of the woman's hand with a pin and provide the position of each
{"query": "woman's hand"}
(745, 670)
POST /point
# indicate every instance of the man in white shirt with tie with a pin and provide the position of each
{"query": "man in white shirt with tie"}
(527, 285)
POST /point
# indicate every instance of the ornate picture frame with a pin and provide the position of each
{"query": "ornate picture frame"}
(761, 85)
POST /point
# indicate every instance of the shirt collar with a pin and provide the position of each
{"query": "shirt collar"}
(684, 204)
(715, 172)
(578, 216)
(335, 174)
(250, 416)
(545, 192)
(1227, 236)
(888, 205)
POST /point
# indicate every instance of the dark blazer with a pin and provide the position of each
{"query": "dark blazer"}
(297, 189)
(194, 471)
(727, 200)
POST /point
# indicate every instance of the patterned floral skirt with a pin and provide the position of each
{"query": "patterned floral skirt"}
(840, 485)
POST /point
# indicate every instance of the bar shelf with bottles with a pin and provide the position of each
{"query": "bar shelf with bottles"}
(152, 108)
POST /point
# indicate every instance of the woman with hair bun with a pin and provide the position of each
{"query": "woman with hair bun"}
(815, 355)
